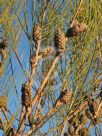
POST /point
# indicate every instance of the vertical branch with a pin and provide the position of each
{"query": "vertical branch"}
(21, 126)
(40, 91)
(65, 123)
(36, 61)
(30, 80)
(22, 114)
(24, 117)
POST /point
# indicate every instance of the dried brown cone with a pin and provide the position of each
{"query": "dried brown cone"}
(60, 41)
(71, 130)
(26, 95)
(76, 29)
(46, 52)
(3, 102)
(65, 96)
(37, 32)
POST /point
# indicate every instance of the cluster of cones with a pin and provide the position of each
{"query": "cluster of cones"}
(74, 30)
(76, 126)
(60, 40)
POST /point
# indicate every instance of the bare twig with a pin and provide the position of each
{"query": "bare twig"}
(2, 123)
(76, 14)
(36, 61)
(98, 110)
(5, 114)
(22, 113)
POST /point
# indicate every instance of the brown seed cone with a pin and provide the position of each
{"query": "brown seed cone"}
(46, 52)
(76, 29)
(37, 32)
(65, 96)
(60, 41)
(26, 95)
(71, 130)
(3, 102)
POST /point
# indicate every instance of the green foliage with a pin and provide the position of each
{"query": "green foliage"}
(78, 68)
